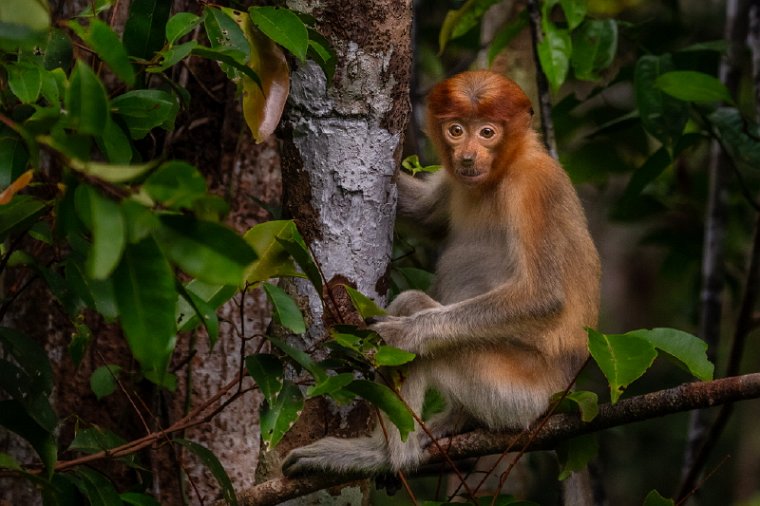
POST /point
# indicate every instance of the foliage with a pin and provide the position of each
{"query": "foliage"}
(112, 229)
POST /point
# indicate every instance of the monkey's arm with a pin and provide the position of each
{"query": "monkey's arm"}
(513, 312)
(424, 201)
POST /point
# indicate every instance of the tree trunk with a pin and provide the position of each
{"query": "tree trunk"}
(342, 145)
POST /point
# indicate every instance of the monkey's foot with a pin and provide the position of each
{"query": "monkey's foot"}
(338, 456)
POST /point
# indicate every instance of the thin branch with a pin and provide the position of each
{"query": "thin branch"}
(711, 296)
(544, 94)
(557, 428)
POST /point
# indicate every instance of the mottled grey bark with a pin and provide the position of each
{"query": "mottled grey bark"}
(342, 146)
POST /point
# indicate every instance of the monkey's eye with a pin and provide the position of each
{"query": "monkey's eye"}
(487, 132)
(456, 130)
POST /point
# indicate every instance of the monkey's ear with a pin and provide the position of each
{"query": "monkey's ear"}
(531, 111)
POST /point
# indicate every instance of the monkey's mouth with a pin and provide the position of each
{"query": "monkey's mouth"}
(470, 175)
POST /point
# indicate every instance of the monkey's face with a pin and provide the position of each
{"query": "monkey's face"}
(472, 148)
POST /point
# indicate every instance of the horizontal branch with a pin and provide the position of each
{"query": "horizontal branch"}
(558, 428)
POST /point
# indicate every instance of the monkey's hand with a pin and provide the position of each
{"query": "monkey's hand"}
(401, 331)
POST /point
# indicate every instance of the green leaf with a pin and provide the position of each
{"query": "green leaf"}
(23, 22)
(30, 356)
(8, 462)
(145, 27)
(648, 172)
(554, 54)
(143, 110)
(146, 298)
(59, 52)
(180, 25)
(284, 27)
(690, 350)
(330, 385)
(115, 143)
(273, 260)
(19, 214)
(103, 380)
(384, 398)
(112, 173)
(460, 21)
(228, 56)
(623, 358)
(286, 311)
(276, 419)
(205, 250)
(321, 52)
(212, 295)
(13, 159)
(101, 39)
(507, 34)
(575, 12)
(297, 248)
(223, 32)
(176, 185)
(14, 418)
(738, 136)
(580, 400)
(108, 233)
(212, 463)
(366, 306)
(662, 116)
(163, 379)
(300, 358)
(412, 164)
(654, 498)
(25, 81)
(80, 340)
(205, 312)
(96, 439)
(594, 47)
(96, 487)
(433, 404)
(417, 279)
(693, 86)
(266, 370)
(22, 387)
(575, 454)
(86, 101)
(170, 56)
(390, 356)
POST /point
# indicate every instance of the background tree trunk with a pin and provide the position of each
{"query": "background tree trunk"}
(342, 146)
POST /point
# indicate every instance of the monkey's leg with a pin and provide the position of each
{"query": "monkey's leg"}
(382, 451)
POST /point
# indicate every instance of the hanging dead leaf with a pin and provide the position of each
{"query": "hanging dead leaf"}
(19, 184)
(263, 105)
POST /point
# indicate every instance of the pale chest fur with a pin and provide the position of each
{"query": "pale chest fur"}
(475, 258)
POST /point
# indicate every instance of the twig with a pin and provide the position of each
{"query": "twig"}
(544, 94)
(190, 420)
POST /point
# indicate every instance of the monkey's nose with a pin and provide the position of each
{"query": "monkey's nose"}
(468, 161)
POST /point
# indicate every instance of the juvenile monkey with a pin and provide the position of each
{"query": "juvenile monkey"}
(515, 285)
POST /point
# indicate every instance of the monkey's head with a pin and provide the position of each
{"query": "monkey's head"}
(476, 119)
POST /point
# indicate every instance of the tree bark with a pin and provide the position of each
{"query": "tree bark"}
(341, 149)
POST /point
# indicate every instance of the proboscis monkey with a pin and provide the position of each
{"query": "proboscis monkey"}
(515, 286)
